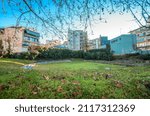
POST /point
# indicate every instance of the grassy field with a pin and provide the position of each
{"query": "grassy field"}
(77, 79)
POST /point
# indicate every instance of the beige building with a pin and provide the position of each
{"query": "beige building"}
(143, 37)
(17, 39)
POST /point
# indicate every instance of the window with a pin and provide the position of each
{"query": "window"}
(25, 44)
(25, 38)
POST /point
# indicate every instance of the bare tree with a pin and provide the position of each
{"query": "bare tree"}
(1, 47)
(56, 16)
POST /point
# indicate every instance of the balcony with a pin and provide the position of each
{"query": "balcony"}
(145, 44)
(32, 33)
(148, 33)
(25, 44)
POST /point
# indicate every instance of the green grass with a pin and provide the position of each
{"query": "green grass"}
(77, 79)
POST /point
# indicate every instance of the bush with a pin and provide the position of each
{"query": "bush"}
(99, 54)
(77, 54)
(23, 55)
(133, 56)
(144, 56)
(56, 54)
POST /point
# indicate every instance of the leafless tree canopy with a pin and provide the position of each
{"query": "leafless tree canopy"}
(56, 16)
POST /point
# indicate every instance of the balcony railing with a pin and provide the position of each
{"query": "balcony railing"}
(148, 33)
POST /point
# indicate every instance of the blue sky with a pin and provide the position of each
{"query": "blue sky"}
(6, 17)
(116, 24)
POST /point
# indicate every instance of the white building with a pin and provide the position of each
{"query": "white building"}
(77, 40)
(95, 43)
(143, 37)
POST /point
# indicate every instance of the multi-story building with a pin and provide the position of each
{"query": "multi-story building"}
(123, 44)
(17, 39)
(143, 37)
(94, 43)
(77, 40)
(98, 43)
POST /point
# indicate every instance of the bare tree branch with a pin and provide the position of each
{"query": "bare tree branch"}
(19, 18)
(56, 16)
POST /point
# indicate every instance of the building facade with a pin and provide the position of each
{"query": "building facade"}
(123, 44)
(77, 40)
(104, 40)
(143, 37)
(98, 43)
(94, 43)
(17, 39)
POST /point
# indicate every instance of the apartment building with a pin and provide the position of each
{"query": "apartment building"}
(143, 37)
(98, 43)
(77, 40)
(17, 39)
(94, 43)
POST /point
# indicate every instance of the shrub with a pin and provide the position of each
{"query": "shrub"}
(99, 54)
(144, 56)
(55, 54)
(24, 55)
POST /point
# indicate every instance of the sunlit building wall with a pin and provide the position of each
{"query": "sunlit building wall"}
(17, 39)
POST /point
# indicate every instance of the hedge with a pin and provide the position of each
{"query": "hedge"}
(56, 54)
